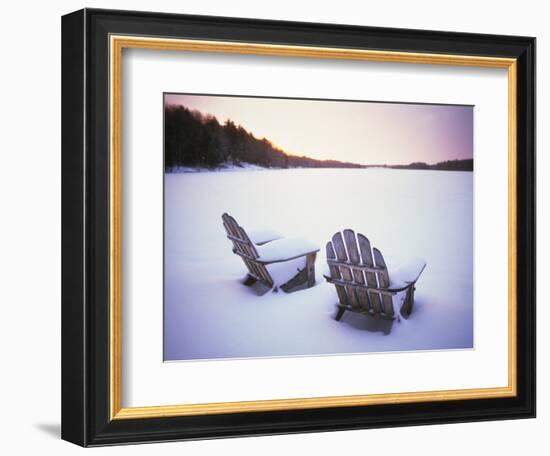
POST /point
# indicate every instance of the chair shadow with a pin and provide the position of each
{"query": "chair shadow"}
(51, 429)
(417, 309)
(366, 322)
(259, 289)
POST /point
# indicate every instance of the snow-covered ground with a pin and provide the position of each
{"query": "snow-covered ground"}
(226, 167)
(210, 314)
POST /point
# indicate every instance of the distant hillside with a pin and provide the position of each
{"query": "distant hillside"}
(449, 165)
(192, 139)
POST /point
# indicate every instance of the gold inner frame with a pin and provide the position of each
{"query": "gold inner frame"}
(117, 44)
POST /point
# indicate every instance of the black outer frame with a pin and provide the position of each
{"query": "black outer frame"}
(85, 227)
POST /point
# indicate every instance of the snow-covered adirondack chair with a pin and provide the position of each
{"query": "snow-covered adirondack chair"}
(259, 249)
(362, 280)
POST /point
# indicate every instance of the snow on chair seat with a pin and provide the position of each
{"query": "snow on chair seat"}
(407, 273)
(265, 251)
(362, 280)
(285, 249)
(260, 237)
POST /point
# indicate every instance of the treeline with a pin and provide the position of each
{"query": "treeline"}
(194, 139)
(449, 165)
(455, 165)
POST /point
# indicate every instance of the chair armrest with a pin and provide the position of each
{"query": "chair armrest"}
(286, 249)
(406, 274)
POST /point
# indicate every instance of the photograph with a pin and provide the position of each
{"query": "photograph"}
(289, 222)
(316, 227)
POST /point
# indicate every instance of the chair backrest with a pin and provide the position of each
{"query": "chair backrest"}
(245, 248)
(360, 274)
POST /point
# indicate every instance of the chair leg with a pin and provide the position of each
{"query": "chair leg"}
(297, 280)
(340, 313)
(306, 275)
(310, 265)
(407, 306)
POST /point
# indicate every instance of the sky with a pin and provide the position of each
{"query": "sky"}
(357, 132)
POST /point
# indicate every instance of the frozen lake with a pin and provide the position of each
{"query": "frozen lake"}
(209, 314)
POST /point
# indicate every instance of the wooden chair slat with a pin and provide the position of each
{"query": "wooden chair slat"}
(265, 274)
(360, 294)
(230, 233)
(250, 268)
(335, 274)
(366, 258)
(338, 243)
(387, 303)
(231, 225)
(247, 246)
(353, 253)
(334, 270)
(375, 302)
(383, 276)
(341, 254)
(342, 295)
(352, 297)
(236, 245)
(240, 248)
(243, 246)
(225, 218)
(351, 244)
(363, 298)
(330, 251)
(364, 247)
(226, 226)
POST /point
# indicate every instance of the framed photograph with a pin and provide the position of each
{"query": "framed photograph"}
(279, 227)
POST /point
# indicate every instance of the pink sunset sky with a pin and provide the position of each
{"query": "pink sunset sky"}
(358, 132)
